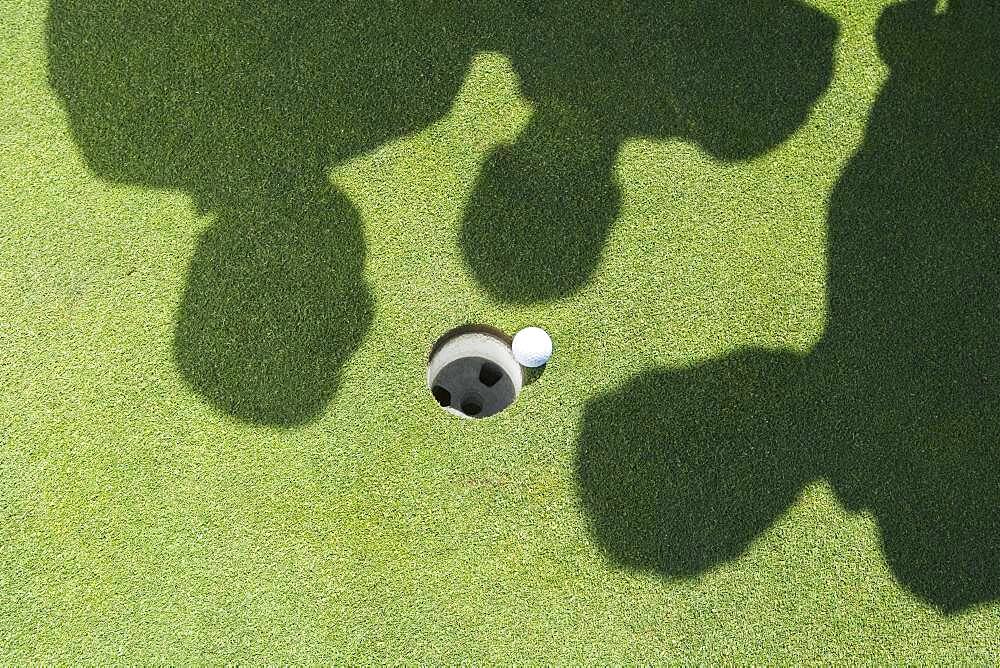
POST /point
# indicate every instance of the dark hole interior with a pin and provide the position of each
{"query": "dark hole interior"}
(443, 396)
(489, 374)
(471, 408)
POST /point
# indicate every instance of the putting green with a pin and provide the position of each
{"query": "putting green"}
(231, 234)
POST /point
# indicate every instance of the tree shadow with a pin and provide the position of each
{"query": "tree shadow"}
(245, 105)
(734, 78)
(899, 405)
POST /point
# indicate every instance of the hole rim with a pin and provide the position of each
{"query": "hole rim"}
(479, 345)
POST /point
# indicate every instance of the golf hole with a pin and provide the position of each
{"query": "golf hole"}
(472, 373)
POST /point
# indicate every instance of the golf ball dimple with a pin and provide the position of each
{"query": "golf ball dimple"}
(532, 347)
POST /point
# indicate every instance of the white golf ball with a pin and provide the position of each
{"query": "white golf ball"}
(532, 347)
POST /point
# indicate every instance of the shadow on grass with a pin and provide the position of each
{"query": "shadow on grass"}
(245, 105)
(274, 304)
(899, 405)
(734, 78)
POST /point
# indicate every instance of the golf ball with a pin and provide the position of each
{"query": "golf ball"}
(532, 347)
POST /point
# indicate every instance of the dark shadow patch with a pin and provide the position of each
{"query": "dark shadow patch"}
(898, 407)
(734, 78)
(914, 308)
(245, 105)
(681, 470)
(274, 305)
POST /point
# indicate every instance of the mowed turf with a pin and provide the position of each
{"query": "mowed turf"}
(763, 238)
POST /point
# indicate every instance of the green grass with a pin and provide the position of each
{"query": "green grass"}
(768, 261)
